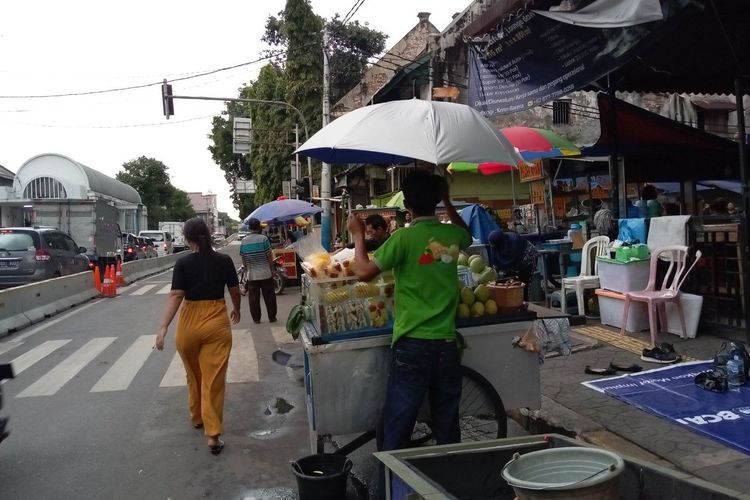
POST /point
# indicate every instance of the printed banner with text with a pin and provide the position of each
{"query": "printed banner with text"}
(530, 59)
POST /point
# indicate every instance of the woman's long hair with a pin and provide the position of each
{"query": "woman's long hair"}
(196, 231)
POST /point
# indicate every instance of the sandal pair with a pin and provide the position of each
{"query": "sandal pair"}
(216, 448)
(612, 369)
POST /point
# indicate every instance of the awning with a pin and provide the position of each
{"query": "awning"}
(656, 147)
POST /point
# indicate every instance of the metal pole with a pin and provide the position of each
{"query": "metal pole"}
(325, 173)
(296, 159)
(513, 186)
(614, 161)
(739, 93)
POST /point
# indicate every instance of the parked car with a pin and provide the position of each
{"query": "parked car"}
(149, 247)
(217, 238)
(34, 254)
(162, 239)
(131, 248)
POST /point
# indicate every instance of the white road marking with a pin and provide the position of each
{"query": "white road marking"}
(281, 336)
(7, 346)
(53, 380)
(175, 376)
(38, 353)
(243, 360)
(53, 322)
(143, 289)
(122, 373)
(165, 289)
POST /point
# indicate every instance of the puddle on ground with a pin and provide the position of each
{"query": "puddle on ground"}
(271, 494)
(263, 434)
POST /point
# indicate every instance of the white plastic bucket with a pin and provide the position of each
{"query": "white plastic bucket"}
(579, 473)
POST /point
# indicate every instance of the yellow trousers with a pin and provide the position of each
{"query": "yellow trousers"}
(204, 340)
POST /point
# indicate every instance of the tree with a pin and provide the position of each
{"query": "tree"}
(294, 76)
(179, 207)
(163, 201)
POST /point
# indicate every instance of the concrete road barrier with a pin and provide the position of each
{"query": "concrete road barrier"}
(137, 269)
(21, 306)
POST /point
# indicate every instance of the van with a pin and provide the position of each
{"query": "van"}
(162, 241)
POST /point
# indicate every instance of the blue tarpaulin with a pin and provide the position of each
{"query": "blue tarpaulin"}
(632, 230)
(480, 223)
(671, 393)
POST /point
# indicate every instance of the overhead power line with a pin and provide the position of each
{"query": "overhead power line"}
(353, 11)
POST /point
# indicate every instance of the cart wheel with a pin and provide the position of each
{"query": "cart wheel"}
(481, 412)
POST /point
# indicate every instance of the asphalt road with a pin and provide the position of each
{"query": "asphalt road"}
(97, 414)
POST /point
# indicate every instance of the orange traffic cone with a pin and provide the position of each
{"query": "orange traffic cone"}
(107, 288)
(119, 279)
(97, 279)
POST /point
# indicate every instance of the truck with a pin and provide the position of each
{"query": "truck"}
(93, 224)
(178, 238)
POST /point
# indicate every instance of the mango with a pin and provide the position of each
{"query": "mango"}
(477, 309)
(467, 296)
(481, 293)
(487, 276)
(490, 307)
(463, 311)
(463, 260)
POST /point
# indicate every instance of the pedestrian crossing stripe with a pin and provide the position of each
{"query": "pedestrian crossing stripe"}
(165, 289)
(142, 290)
(243, 364)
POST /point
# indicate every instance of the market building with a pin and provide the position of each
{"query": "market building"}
(51, 182)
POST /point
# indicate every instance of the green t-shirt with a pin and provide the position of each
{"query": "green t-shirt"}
(423, 259)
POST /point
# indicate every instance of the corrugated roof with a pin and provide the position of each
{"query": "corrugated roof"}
(6, 174)
(108, 186)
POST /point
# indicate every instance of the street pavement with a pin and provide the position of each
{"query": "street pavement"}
(96, 413)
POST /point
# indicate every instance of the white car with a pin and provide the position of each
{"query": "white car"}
(162, 241)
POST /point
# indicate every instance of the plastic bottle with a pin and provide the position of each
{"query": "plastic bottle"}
(733, 373)
(741, 368)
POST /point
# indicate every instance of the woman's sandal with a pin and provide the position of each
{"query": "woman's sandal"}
(198, 426)
(599, 371)
(216, 448)
(630, 369)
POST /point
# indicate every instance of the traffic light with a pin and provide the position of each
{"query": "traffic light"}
(303, 188)
(167, 102)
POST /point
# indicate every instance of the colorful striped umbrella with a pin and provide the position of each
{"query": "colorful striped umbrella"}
(536, 143)
(479, 168)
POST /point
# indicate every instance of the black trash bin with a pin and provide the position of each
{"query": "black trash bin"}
(322, 477)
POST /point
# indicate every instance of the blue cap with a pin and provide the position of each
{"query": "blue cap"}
(575, 226)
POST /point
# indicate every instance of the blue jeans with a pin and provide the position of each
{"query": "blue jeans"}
(419, 368)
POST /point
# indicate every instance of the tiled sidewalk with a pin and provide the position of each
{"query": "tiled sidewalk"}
(570, 407)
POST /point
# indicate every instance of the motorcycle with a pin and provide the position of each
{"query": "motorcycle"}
(279, 277)
(6, 372)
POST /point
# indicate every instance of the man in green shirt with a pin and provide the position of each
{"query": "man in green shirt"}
(425, 357)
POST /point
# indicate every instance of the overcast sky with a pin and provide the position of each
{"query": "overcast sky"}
(54, 47)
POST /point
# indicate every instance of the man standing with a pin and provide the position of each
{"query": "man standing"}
(376, 232)
(257, 260)
(425, 356)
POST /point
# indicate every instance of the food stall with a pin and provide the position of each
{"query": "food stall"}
(347, 338)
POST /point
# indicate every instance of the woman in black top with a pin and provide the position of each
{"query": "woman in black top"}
(203, 336)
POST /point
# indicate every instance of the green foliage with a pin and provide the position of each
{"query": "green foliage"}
(163, 201)
(295, 76)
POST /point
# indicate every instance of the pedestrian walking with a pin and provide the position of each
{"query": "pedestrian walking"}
(257, 260)
(203, 336)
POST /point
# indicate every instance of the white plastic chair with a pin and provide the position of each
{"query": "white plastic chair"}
(589, 277)
(656, 300)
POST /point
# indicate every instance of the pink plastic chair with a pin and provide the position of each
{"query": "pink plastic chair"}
(656, 300)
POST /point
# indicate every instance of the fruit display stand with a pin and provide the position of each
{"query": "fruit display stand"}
(346, 372)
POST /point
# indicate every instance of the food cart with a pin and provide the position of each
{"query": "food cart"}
(347, 342)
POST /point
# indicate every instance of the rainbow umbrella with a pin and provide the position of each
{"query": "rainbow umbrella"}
(535, 143)
(479, 168)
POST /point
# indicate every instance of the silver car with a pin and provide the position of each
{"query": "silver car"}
(30, 254)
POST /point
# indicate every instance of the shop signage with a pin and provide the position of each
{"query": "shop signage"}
(536, 190)
(531, 171)
(530, 59)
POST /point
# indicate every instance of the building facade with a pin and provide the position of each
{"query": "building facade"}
(205, 207)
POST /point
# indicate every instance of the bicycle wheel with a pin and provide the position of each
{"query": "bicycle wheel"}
(481, 412)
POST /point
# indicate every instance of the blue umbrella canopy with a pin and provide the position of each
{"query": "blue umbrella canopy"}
(283, 211)
(480, 223)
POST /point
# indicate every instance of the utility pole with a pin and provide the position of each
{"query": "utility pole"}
(325, 174)
(295, 164)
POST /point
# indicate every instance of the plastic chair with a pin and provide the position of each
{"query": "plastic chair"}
(656, 300)
(587, 278)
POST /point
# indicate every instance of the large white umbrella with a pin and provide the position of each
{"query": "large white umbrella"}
(403, 131)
